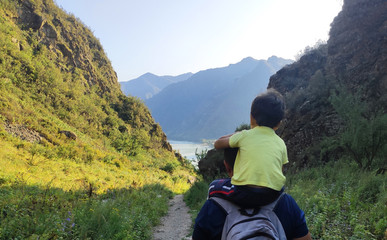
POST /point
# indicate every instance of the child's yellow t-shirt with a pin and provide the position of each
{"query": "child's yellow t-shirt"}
(260, 158)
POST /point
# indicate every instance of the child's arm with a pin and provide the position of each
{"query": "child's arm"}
(223, 142)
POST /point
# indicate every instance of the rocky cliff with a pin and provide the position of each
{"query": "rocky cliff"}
(68, 38)
(355, 58)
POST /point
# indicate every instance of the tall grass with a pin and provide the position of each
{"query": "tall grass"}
(37, 213)
(48, 195)
(341, 201)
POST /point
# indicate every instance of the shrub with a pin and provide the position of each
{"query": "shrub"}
(364, 136)
(197, 195)
(169, 167)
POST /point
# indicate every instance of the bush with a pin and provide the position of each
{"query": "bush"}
(169, 167)
(196, 196)
(364, 136)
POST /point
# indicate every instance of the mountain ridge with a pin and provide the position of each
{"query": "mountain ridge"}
(189, 110)
(149, 84)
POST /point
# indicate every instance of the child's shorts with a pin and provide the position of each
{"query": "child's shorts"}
(244, 196)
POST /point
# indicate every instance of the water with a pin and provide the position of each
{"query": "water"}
(187, 149)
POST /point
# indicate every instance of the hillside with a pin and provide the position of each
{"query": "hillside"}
(55, 77)
(70, 140)
(338, 90)
(148, 85)
(212, 102)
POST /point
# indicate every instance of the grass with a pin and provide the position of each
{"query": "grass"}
(341, 201)
(50, 213)
(46, 194)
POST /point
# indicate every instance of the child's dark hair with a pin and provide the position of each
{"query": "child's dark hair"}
(230, 156)
(268, 108)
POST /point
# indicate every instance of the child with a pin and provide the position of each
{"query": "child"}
(258, 178)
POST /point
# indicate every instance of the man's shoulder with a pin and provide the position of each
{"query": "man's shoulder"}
(287, 210)
(286, 202)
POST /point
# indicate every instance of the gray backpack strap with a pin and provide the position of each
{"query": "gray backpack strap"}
(226, 205)
(272, 205)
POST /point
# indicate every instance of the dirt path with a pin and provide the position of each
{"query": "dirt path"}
(176, 224)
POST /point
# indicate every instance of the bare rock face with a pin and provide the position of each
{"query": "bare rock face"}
(22, 132)
(69, 134)
(28, 16)
(354, 57)
(357, 48)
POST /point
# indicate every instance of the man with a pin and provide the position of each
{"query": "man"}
(210, 220)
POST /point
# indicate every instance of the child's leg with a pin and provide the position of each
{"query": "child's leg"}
(250, 197)
(244, 196)
(221, 188)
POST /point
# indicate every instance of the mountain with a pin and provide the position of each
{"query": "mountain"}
(148, 85)
(61, 103)
(336, 93)
(212, 102)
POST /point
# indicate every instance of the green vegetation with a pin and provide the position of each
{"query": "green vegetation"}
(364, 138)
(110, 198)
(342, 201)
(50, 213)
(79, 160)
(196, 196)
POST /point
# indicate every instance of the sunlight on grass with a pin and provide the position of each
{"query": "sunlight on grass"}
(60, 198)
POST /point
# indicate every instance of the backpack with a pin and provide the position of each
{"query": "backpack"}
(259, 223)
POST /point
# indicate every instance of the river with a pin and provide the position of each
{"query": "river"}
(188, 149)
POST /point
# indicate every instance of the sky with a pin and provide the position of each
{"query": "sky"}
(172, 37)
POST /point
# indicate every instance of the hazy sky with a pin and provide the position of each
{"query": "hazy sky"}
(171, 37)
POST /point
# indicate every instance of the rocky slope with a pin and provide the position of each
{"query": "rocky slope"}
(70, 39)
(355, 58)
(55, 77)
